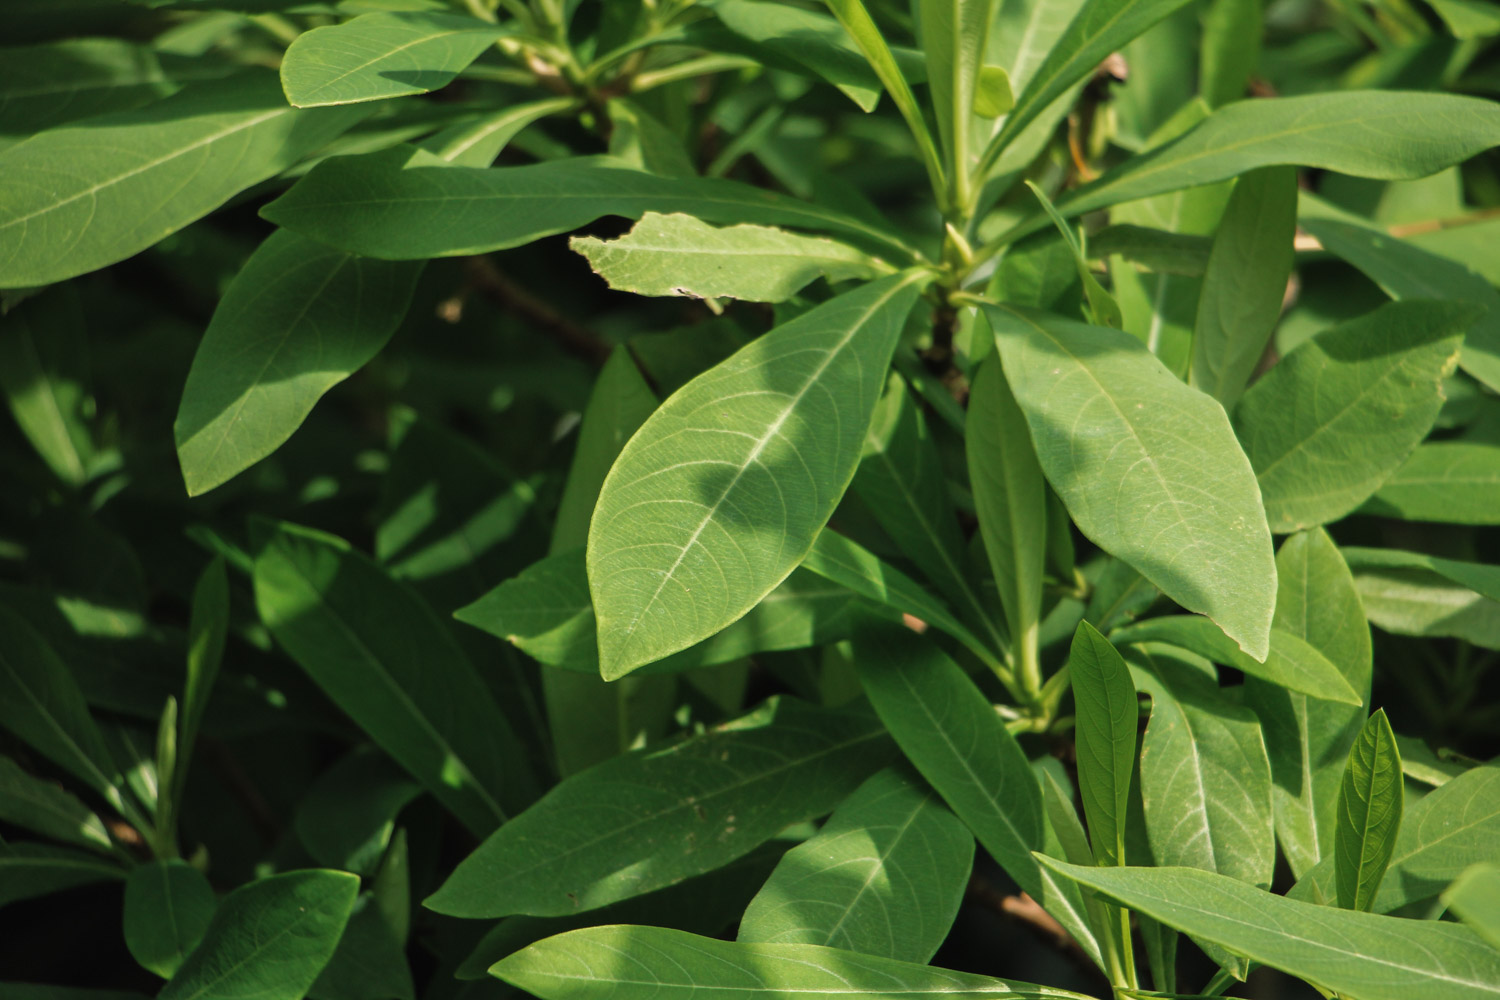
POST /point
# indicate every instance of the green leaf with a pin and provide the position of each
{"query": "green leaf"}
(1467, 18)
(674, 965)
(1010, 498)
(1369, 814)
(646, 143)
(1358, 954)
(1477, 577)
(653, 817)
(1308, 739)
(1290, 662)
(1107, 715)
(1205, 777)
(1337, 416)
(168, 906)
(380, 55)
(44, 375)
(43, 991)
(884, 876)
(1102, 310)
(477, 143)
(298, 319)
(268, 939)
(1388, 135)
(993, 95)
(1245, 282)
(90, 194)
(545, 612)
(383, 656)
(1475, 897)
(740, 468)
(1147, 466)
(1406, 271)
(946, 728)
(1450, 482)
(369, 962)
(378, 206)
(31, 870)
(208, 628)
(955, 35)
(1182, 254)
(1406, 600)
(346, 819)
(44, 807)
(677, 255)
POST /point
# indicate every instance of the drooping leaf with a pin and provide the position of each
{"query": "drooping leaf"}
(44, 377)
(168, 906)
(43, 807)
(1475, 897)
(92, 193)
(1107, 716)
(653, 817)
(1336, 417)
(1369, 814)
(739, 470)
(1147, 466)
(1450, 482)
(673, 965)
(383, 656)
(31, 870)
(1358, 954)
(1290, 662)
(946, 728)
(1245, 282)
(884, 876)
(268, 939)
(680, 255)
(379, 206)
(380, 55)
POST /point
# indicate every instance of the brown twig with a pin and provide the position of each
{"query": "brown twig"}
(488, 280)
(1025, 909)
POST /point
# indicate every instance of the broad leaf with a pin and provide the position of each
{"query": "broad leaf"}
(383, 656)
(379, 206)
(43, 807)
(591, 964)
(1147, 466)
(1475, 897)
(1369, 814)
(739, 470)
(946, 728)
(1291, 662)
(86, 195)
(31, 870)
(268, 939)
(369, 962)
(884, 876)
(298, 319)
(1332, 421)
(380, 55)
(168, 906)
(1245, 282)
(1478, 577)
(1358, 954)
(1421, 602)
(653, 817)
(348, 815)
(1107, 716)
(1451, 482)
(680, 255)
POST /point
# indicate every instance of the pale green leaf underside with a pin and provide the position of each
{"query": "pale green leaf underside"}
(1148, 467)
(723, 490)
(380, 55)
(1361, 954)
(1449, 482)
(1479, 577)
(635, 963)
(1475, 897)
(678, 255)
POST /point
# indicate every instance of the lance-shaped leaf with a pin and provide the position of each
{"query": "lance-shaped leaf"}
(268, 939)
(1148, 467)
(1331, 422)
(1450, 482)
(955, 35)
(653, 817)
(946, 728)
(1290, 662)
(379, 206)
(1475, 897)
(44, 378)
(388, 661)
(722, 491)
(1158, 250)
(631, 963)
(884, 876)
(31, 870)
(1245, 281)
(683, 256)
(382, 54)
(46, 808)
(1369, 814)
(168, 906)
(1356, 954)
(1478, 577)
(1390, 135)
(1107, 718)
(86, 195)
(476, 143)
(299, 318)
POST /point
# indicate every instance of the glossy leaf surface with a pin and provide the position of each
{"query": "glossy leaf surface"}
(1369, 816)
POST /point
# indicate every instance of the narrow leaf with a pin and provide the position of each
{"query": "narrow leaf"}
(208, 629)
(1103, 310)
(44, 376)
(1107, 718)
(955, 35)
(168, 906)
(48, 809)
(31, 870)
(1449, 482)
(1369, 814)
